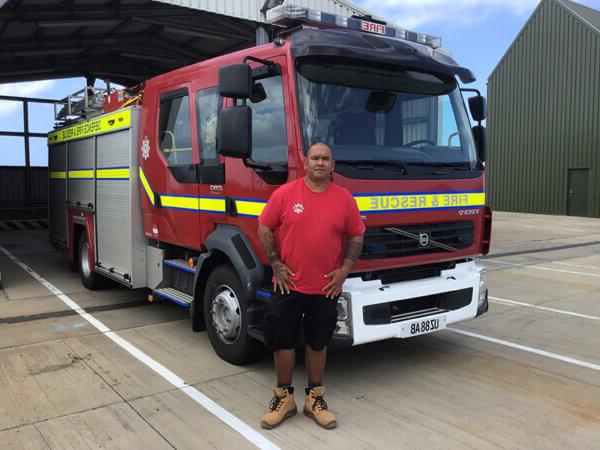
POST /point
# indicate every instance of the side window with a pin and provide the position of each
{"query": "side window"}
(174, 132)
(208, 103)
(269, 140)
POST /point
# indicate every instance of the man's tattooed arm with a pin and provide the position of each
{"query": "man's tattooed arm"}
(281, 272)
(338, 276)
(354, 247)
(267, 241)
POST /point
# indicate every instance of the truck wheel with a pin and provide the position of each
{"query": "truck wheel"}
(89, 278)
(226, 317)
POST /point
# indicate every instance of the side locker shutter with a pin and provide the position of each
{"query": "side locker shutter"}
(81, 173)
(57, 191)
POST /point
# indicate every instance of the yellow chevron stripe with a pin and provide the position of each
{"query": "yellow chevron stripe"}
(146, 186)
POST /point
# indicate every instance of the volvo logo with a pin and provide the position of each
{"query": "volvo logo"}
(424, 239)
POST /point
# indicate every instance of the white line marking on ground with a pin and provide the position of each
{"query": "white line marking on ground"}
(225, 416)
(541, 268)
(543, 308)
(574, 265)
(525, 348)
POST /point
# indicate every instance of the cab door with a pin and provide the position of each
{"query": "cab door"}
(175, 168)
(211, 168)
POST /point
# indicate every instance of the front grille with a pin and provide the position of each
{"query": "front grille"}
(381, 243)
(391, 276)
(411, 308)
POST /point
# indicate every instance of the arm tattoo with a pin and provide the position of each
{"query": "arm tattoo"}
(353, 249)
(269, 245)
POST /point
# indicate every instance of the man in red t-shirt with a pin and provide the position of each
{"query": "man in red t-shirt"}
(312, 232)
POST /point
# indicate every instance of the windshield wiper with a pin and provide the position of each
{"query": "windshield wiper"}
(371, 164)
(452, 165)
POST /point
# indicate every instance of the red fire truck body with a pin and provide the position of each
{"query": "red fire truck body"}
(171, 186)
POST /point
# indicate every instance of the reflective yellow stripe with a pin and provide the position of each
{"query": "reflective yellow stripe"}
(401, 202)
(120, 119)
(120, 174)
(146, 186)
(212, 204)
(249, 208)
(58, 175)
(81, 174)
(171, 201)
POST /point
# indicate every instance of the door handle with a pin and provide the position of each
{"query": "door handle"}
(571, 192)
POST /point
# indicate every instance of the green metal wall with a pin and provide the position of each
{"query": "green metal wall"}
(544, 115)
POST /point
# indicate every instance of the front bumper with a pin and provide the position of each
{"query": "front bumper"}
(370, 311)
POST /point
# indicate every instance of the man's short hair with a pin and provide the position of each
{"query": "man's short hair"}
(318, 143)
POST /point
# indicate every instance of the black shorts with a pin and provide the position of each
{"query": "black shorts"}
(283, 320)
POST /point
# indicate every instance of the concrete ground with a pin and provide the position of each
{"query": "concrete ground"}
(64, 384)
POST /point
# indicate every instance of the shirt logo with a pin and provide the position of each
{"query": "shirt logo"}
(298, 208)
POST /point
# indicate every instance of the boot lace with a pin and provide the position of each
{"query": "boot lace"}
(319, 404)
(276, 404)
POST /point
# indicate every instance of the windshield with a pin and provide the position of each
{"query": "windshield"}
(382, 115)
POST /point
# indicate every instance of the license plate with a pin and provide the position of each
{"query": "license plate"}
(416, 327)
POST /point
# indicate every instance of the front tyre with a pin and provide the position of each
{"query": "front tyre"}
(89, 278)
(226, 316)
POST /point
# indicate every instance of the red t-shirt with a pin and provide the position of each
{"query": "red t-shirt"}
(311, 230)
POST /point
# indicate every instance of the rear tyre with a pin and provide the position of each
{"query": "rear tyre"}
(226, 317)
(89, 278)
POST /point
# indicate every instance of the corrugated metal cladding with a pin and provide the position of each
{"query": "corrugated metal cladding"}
(251, 9)
(544, 115)
(13, 188)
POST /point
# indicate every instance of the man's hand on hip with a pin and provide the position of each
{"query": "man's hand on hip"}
(338, 276)
(281, 277)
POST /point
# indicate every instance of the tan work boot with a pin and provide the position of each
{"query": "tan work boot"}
(315, 407)
(282, 406)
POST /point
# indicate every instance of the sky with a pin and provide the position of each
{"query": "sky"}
(476, 32)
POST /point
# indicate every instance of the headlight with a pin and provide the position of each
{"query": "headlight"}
(482, 285)
(344, 322)
(342, 306)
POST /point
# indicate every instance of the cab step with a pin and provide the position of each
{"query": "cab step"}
(174, 295)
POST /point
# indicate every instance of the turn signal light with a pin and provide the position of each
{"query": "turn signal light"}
(487, 231)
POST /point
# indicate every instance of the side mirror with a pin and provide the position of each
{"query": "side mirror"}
(235, 81)
(480, 138)
(478, 108)
(234, 132)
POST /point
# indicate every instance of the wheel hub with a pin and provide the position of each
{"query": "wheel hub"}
(85, 260)
(226, 315)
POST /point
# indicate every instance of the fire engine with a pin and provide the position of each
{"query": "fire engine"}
(162, 189)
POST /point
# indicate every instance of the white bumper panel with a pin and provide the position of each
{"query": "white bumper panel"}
(363, 293)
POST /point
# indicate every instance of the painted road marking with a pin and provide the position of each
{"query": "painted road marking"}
(574, 265)
(225, 416)
(595, 275)
(543, 308)
(525, 348)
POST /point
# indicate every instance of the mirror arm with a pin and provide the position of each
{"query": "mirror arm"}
(269, 67)
(471, 90)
